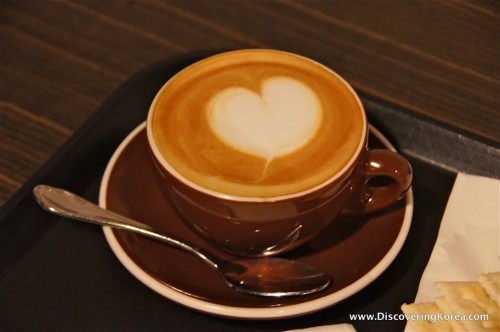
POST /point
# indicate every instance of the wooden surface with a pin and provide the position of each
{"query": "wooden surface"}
(60, 60)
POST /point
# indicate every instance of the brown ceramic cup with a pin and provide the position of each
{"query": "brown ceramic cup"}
(269, 222)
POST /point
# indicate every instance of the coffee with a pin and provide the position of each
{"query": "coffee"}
(261, 150)
(257, 123)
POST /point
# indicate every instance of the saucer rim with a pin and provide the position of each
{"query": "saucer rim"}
(284, 311)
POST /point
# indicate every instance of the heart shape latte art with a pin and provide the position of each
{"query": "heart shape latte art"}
(281, 119)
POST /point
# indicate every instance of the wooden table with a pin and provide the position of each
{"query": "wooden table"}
(60, 60)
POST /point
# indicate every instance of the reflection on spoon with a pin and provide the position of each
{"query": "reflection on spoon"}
(263, 276)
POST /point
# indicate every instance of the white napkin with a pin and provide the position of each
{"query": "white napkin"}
(327, 328)
(468, 242)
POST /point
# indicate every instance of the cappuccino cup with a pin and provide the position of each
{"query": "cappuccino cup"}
(260, 150)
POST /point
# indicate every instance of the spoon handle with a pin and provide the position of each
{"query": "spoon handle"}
(63, 203)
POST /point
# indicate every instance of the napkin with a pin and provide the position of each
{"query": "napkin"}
(468, 242)
(327, 328)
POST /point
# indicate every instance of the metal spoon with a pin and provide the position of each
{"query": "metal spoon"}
(264, 276)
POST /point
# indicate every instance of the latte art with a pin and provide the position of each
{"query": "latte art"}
(256, 123)
(281, 119)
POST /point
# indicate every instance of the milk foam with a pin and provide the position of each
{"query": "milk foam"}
(278, 120)
(256, 123)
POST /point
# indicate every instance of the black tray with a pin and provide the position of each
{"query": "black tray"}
(58, 275)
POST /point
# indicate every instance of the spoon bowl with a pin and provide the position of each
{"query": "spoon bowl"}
(262, 276)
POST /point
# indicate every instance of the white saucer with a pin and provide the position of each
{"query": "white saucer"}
(186, 280)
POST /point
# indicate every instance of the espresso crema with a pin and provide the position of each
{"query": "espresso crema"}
(257, 123)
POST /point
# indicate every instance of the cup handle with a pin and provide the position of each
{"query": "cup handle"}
(387, 177)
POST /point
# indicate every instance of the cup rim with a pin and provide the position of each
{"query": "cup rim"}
(173, 172)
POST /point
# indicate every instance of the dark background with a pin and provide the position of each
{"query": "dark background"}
(60, 60)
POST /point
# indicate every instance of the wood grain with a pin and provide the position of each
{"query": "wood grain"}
(60, 60)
